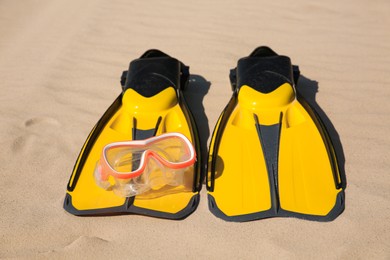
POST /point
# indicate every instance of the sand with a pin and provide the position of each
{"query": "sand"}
(60, 63)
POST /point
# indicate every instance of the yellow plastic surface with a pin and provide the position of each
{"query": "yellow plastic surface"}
(87, 195)
(305, 174)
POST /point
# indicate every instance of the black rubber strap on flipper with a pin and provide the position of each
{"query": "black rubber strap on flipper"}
(264, 70)
(153, 72)
(185, 74)
(264, 74)
(296, 73)
(150, 76)
(184, 70)
(129, 208)
(123, 78)
(336, 210)
(233, 78)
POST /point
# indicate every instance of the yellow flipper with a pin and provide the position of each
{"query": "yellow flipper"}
(151, 104)
(270, 155)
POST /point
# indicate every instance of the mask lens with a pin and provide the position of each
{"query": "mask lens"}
(173, 149)
(124, 159)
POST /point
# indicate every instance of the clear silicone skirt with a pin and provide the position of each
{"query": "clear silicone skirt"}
(131, 168)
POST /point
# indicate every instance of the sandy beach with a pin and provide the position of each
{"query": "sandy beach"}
(60, 64)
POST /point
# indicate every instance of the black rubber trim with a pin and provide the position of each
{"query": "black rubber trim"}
(85, 150)
(198, 171)
(129, 208)
(217, 135)
(141, 134)
(333, 213)
(150, 76)
(327, 141)
(269, 138)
